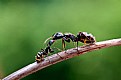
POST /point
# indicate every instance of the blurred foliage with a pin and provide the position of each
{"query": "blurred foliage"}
(25, 24)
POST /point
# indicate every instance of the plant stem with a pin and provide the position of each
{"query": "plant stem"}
(61, 56)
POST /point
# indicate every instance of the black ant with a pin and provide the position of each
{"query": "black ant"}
(41, 54)
(83, 37)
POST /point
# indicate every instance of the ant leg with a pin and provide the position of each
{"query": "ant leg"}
(74, 44)
(46, 51)
(58, 49)
(77, 47)
(85, 41)
(51, 50)
(63, 44)
(77, 44)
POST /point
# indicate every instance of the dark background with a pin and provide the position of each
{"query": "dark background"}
(26, 24)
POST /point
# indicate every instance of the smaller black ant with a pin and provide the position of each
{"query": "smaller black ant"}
(41, 54)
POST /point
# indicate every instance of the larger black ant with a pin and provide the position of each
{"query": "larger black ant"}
(83, 37)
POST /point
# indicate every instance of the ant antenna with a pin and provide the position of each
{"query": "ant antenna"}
(47, 40)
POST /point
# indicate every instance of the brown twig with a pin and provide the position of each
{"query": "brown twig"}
(61, 56)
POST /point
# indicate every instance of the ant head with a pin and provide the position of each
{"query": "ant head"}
(57, 35)
(50, 42)
(40, 53)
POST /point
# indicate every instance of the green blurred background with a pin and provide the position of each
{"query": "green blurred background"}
(25, 24)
